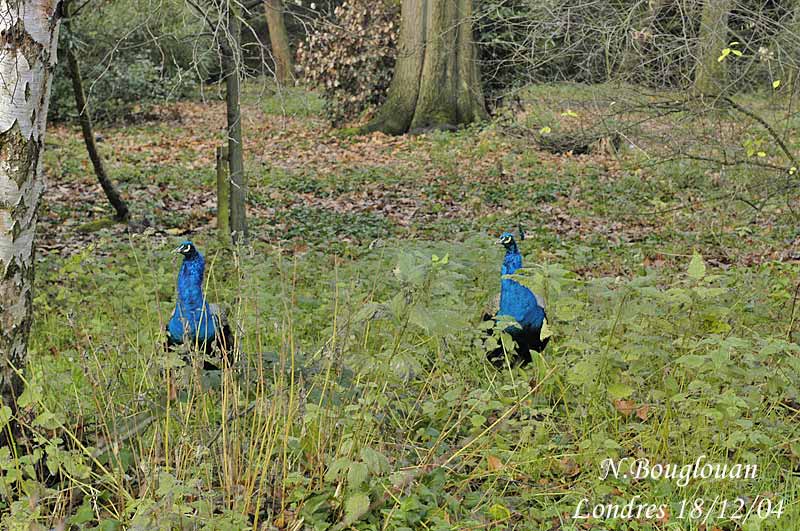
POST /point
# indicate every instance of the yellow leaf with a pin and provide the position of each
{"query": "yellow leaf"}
(776, 83)
(544, 130)
(546, 331)
(697, 267)
(761, 154)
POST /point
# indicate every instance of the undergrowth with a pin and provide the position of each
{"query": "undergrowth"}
(358, 395)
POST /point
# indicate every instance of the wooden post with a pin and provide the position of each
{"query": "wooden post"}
(223, 195)
(231, 61)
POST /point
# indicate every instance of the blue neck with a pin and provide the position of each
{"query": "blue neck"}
(512, 261)
(190, 283)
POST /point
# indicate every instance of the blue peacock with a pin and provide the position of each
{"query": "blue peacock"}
(520, 304)
(195, 320)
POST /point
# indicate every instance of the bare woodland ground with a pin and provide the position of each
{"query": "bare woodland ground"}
(310, 185)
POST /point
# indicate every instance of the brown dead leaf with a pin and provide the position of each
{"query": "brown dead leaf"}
(494, 464)
(569, 467)
(172, 391)
(665, 519)
(626, 407)
(643, 411)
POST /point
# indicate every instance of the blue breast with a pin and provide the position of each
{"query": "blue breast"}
(516, 300)
(192, 317)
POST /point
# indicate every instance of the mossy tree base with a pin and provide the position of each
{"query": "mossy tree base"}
(436, 83)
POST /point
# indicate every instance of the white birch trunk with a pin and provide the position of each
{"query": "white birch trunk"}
(29, 30)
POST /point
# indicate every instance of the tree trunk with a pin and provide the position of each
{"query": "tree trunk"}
(709, 75)
(231, 55)
(85, 118)
(436, 83)
(279, 40)
(30, 38)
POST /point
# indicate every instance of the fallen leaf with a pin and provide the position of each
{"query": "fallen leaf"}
(569, 467)
(494, 463)
(626, 407)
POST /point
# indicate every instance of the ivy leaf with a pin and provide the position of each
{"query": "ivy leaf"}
(355, 506)
(697, 267)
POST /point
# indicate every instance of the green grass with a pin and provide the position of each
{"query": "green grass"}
(295, 102)
(360, 375)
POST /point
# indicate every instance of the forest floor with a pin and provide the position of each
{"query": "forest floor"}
(671, 291)
(311, 185)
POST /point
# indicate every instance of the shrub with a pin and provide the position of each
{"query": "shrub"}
(123, 92)
(131, 56)
(501, 30)
(352, 57)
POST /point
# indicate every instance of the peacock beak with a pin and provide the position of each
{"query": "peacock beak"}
(178, 249)
(499, 242)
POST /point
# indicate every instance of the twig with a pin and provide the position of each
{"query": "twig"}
(791, 314)
(136, 430)
(231, 417)
(765, 125)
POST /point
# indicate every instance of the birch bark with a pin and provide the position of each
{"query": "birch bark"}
(28, 41)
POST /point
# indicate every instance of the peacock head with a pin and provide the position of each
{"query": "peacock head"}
(187, 249)
(507, 240)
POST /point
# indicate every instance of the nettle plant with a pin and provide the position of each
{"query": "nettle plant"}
(352, 57)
